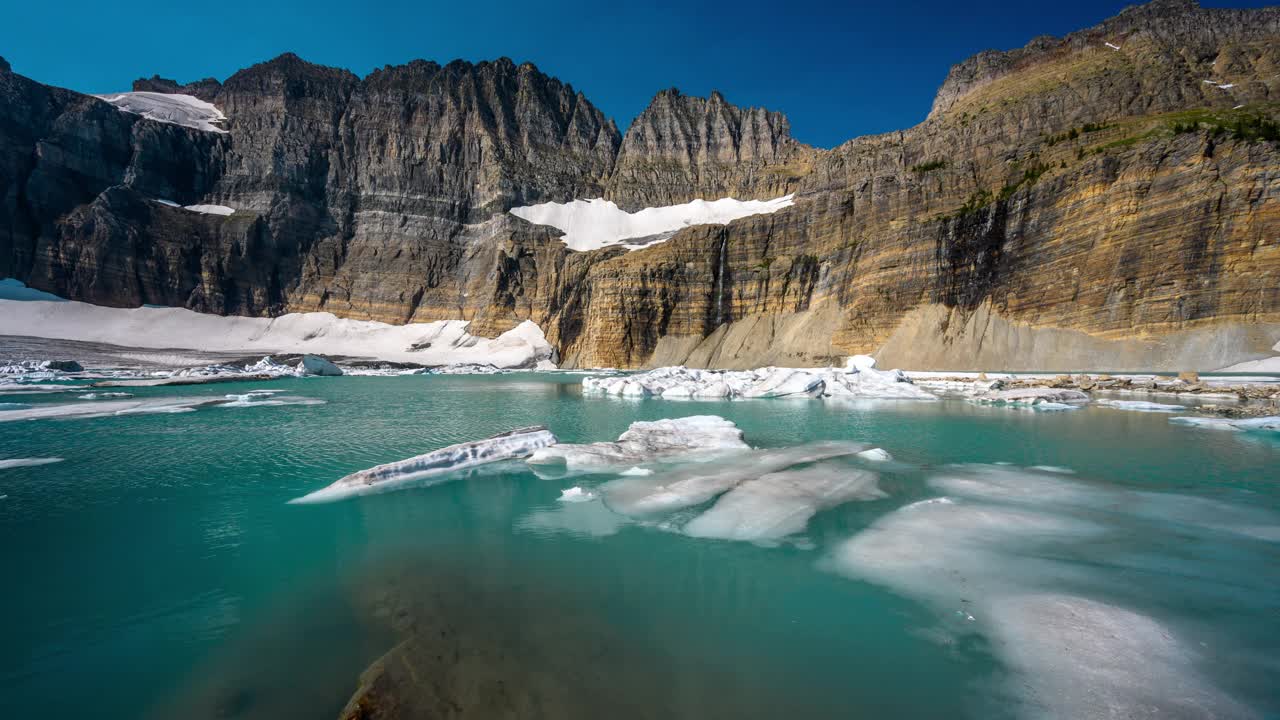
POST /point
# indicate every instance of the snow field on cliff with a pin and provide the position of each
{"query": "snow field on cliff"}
(173, 108)
(599, 223)
(24, 312)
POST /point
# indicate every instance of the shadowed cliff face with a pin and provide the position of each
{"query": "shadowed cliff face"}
(1065, 205)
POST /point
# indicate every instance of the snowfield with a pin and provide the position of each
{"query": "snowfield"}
(595, 224)
(184, 110)
(443, 342)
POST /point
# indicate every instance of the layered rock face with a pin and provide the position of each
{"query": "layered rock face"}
(1106, 200)
(683, 148)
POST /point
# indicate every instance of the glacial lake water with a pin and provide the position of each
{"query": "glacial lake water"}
(158, 571)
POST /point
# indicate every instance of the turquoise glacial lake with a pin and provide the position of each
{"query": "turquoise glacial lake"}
(158, 570)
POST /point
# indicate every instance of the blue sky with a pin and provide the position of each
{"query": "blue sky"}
(838, 70)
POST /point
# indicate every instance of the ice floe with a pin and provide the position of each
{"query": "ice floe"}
(105, 396)
(991, 554)
(185, 110)
(107, 408)
(876, 455)
(510, 445)
(436, 343)
(693, 485)
(1041, 397)
(1258, 424)
(27, 462)
(646, 441)
(779, 504)
(594, 224)
(858, 380)
(1140, 406)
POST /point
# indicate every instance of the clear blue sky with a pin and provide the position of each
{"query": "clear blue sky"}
(837, 69)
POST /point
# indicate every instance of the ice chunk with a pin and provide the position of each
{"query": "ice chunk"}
(104, 395)
(185, 110)
(108, 408)
(636, 471)
(1260, 424)
(1141, 406)
(645, 441)
(876, 455)
(858, 363)
(576, 494)
(780, 504)
(687, 487)
(27, 462)
(517, 443)
(316, 365)
(783, 382)
(594, 224)
(1031, 396)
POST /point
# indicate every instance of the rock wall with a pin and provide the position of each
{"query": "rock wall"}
(1065, 194)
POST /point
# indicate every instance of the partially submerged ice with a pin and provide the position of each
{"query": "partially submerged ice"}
(858, 379)
(648, 441)
(992, 553)
(639, 496)
(780, 503)
(1049, 398)
(510, 445)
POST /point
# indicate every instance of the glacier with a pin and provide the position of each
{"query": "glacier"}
(173, 108)
(599, 223)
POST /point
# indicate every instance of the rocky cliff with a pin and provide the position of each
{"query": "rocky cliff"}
(1107, 200)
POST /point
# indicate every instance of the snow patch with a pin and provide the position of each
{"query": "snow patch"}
(184, 110)
(210, 209)
(595, 224)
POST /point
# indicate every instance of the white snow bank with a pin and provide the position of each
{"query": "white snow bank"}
(1260, 424)
(436, 343)
(594, 224)
(506, 446)
(1141, 406)
(780, 504)
(1265, 365)
(666, 492)
(211, 209)
(645, 441)
(27, 462)
(185, 110)
(859, 381)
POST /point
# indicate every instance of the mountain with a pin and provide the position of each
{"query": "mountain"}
(1106, 200)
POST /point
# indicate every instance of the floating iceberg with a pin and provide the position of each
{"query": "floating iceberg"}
(687, 487)
(27, 462)
(594, 224)
(108, 408)
(1260, 424)
(646, 441)
(876, 455)
(1052, 398)
(316, 365)
(780, 504)
(575, 495)
(177, 109)
(859, 380)
(510, 445)
(1141, 406)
